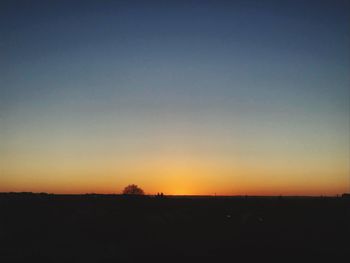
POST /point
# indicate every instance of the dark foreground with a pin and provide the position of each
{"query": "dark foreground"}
(51, 228)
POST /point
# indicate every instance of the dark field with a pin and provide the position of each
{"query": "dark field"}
(99, 228)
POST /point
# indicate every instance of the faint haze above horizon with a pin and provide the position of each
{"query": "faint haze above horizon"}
(180, 97)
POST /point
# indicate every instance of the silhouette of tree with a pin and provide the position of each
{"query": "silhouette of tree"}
(133, 189)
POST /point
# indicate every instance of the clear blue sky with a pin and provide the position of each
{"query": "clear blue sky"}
(241, 96)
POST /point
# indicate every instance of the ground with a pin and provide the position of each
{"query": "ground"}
(112, 228)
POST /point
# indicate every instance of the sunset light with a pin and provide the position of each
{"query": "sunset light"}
(231, 99)
(174, 131)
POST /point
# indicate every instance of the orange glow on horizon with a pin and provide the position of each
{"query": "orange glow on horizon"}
(177, 174)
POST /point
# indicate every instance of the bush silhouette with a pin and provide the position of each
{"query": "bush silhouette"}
(133, 189)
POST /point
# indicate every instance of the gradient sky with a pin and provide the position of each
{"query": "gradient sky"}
(183, 97)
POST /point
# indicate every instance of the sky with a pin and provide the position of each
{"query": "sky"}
(181, 97)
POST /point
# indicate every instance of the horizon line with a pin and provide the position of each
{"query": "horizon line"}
(168, 195)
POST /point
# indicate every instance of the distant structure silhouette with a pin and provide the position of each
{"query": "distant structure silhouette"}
(346, 195)
(160, 195)
(133, 189)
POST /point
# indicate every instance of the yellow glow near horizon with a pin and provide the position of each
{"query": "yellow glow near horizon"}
(175, 161)
(178, 176)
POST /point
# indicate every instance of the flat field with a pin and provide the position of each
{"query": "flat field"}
(113, 228)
